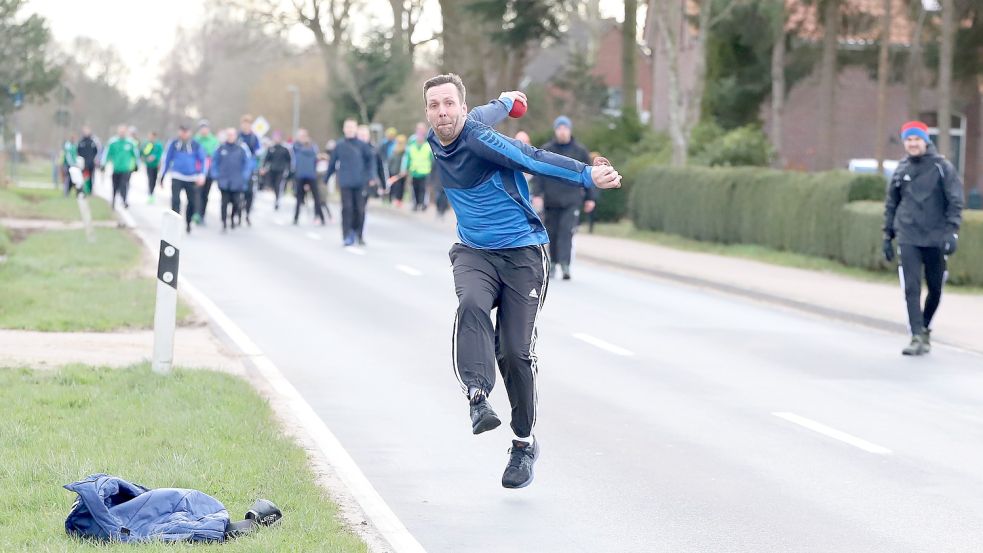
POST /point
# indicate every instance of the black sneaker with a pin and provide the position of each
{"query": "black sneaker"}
(917, 345)
(522, 456)
(483, 417)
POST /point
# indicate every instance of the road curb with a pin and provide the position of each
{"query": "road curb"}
(360, 508)
(848, 316)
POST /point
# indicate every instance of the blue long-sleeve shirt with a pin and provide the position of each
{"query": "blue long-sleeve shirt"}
(482, 173)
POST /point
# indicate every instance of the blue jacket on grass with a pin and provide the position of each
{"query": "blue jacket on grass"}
(111, 509)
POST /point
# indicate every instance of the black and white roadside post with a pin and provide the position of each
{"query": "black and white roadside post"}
(165, 313)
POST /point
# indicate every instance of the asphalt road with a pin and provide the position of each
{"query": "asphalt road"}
(671, 418)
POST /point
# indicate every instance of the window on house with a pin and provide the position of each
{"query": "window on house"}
(957, 134)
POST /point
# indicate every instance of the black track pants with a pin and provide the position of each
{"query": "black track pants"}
(514, 281)
(913, 260)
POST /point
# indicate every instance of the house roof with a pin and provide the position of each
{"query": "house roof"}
(804, 21)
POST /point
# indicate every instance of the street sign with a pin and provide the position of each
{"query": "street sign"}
(261, 126)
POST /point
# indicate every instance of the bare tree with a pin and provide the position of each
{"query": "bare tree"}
(945, 76)
(406, 16)
(651, 42)
(684, 105)
(883, 69)
(328, 22)
(827, 85)
(778, 81)
(915, 61)
(629, 58)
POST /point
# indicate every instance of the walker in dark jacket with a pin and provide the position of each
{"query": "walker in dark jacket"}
(231, 169)
(353, 161)
(562, 203)
(277, 164)
(305, 177)
(923, 210)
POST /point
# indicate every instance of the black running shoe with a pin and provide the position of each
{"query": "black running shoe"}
(916, 347)
(483, 417)
(522, 456)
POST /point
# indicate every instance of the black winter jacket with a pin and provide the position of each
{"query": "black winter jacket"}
(924, 200)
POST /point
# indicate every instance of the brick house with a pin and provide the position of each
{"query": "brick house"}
(856, 95)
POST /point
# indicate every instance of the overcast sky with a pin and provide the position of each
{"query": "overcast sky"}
(143, 31)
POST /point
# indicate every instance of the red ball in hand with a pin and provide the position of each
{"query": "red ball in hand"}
(518, 109)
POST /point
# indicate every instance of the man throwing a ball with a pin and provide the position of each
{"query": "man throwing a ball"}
(500, 261)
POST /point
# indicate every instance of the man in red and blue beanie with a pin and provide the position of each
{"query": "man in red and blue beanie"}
(923, 211)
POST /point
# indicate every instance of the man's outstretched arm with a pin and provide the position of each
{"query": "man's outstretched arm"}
(511, 153)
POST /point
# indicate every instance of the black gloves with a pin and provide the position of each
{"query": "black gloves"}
(950, 243)
(888, 249)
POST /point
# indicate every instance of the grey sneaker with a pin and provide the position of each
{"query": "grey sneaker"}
(483, 417)
(917, 345)
(522, 457)
(927, 336)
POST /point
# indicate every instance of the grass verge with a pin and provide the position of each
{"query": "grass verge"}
(627, 230)
(192, 429)
(46, 203)
(58, 281)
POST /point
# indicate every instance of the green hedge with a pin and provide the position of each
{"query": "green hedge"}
(836, 215)
(798, 212)
(862, 242)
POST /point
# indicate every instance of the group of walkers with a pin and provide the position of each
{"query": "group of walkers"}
(513, 233)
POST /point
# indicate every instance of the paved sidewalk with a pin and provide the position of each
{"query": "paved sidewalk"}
(194, 347)
(959, 321)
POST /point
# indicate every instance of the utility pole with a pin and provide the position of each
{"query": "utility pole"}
(296, 93)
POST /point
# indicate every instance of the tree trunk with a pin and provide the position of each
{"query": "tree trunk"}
(915, 63)
(825, 157)
(882, 73)
(453, 37)
(669, 21)
(399, 42)
(945, 77)
(778, 84)
(694, 99)
(652, 41)
(629, 73)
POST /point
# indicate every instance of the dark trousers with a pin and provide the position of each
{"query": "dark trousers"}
(913, 260)
(561, 222)
(151, 179)
(300, 183)
(248, 196)
(233, 199)
(121, 186)
(397, 190)
(514, 281)
(352, 212)
(67, 180)
(190, 194)
(275, 180)
(419, 193)
(203, 197)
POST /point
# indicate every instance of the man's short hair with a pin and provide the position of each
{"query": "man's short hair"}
(451, 78)
(247, 118)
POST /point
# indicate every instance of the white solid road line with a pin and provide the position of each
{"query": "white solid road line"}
(834, 433)
(606, 346)
(374, 506)
(313, 236)
(368, 498)
(408, 270)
